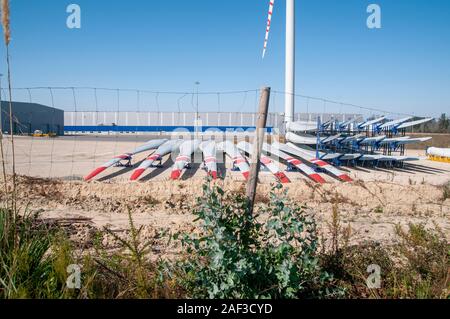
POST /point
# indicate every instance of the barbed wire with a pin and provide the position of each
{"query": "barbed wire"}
(361, 107)
(134, 90)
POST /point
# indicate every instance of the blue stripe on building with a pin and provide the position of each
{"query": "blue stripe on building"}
(150, 129)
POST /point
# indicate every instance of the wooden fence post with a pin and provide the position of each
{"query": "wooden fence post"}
(257, 147)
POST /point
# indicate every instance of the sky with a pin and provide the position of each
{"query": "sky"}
(161, 45)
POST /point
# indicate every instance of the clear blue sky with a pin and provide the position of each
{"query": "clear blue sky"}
(168, 45)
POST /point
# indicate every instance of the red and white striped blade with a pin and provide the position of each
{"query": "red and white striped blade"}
(243, 166)
(333, 170)
(291, 148)
(179, 165)
(144, 165)
(266, 161)
(186, 150)
(306, 169)
(269, 22)
(211, 166)
(126, 156)
(176, 173)
(209, 157)
(95, 172)
(238, 160)
(293, 161)
(162, 150)
(112, 162)
(274, 169)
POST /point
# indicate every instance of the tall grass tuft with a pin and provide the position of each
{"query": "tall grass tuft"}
(32, 262)
(2, 152)
(129, 271)
(5, 23)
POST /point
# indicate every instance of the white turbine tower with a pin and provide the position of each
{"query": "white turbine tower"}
(290, 56)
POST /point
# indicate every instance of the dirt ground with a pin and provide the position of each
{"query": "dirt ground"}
(72, 158)
(377, 201)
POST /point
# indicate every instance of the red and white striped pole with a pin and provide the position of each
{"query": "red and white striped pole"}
(269, 21)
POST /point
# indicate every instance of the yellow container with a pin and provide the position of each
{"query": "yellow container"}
(439, 159)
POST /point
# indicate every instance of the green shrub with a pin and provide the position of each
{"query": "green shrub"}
(237, 256)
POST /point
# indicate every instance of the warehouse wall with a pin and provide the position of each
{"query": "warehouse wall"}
(28, 117)
(168, 121)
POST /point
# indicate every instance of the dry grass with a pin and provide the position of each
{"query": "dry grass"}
(128, 263)
(418, 266)
(445, 192)
(439, 140)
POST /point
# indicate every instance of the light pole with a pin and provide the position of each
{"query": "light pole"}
(290, 62)
(197, 84)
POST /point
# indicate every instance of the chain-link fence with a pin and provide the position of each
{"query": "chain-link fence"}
(95, 124)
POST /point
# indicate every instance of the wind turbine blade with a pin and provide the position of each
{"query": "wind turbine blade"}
(308, 156)
(238, 160)
(414, 123)
(371, 122)
(164, 149)
(186, 150)
(266, 161)
(150, 145)
(209, 157)
(269, 21)
(295, 162)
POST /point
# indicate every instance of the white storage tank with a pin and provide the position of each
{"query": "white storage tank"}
(443, 152)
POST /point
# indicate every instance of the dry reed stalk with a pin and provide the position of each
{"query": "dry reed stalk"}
(7, 38)
(5, 181)
(5, 21)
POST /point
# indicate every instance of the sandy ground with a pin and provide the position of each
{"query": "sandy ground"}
(377, 201)
(71, 158)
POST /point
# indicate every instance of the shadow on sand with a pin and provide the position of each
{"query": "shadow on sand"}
(123, 171)
(156, 171)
